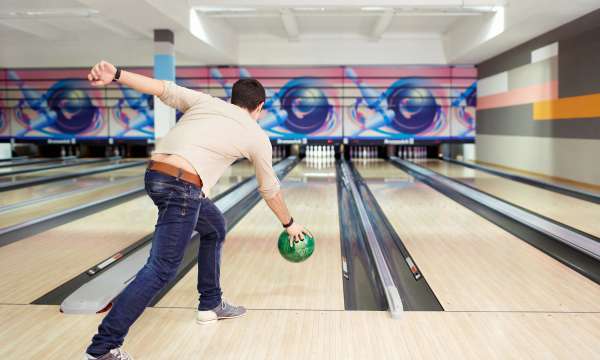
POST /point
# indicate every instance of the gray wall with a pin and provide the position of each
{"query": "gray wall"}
(566, 148)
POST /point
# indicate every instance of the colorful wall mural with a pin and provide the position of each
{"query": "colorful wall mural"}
(335, 102)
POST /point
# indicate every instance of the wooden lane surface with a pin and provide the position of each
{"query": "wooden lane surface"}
(253, 273)
(4, 170)
(546, 178)
(54, 172)
(41, 332)
(56, 187)
(579, 214)
(45, 208)
(238, 172)
(35, 265)
(472, 264)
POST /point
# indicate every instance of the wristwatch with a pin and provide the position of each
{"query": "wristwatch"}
(117, 74)
(285, 226)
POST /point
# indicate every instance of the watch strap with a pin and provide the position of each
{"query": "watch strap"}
(117, 74)
(285, 226)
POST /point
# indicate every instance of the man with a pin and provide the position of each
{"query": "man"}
(187, 162)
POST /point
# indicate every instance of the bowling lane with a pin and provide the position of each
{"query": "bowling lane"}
(579, 214)
(470, 263)
(60, 171)
(253, 273)
(33, 266)
(549, 179)
(33, 167)
(163, 333)
(237, 173)
(38, 192)
(70, 200)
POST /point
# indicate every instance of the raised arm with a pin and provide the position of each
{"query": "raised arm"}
(173, 95)
(104, 72)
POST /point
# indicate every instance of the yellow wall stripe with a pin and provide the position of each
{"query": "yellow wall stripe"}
(576, 107)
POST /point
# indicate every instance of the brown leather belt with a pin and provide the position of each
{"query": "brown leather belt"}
(175, 171)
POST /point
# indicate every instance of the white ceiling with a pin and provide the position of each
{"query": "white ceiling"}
(75, 32)
(335, 21)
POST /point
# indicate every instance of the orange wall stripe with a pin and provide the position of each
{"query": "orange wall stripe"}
(576, 107)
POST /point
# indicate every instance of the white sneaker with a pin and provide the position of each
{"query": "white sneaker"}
(114, 354)
(221, 311)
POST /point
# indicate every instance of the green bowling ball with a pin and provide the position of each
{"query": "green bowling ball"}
(297, 252)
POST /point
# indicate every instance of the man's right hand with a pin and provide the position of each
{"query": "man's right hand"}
(296, 232)
(102, 73)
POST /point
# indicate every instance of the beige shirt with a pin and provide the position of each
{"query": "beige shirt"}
(212, 134)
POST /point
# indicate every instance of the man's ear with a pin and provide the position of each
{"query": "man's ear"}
(260, 106)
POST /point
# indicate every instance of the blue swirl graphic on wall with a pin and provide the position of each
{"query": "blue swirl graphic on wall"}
(63, 111)
(74, 110)
(300, 106)
(415, 108)
(142, 118)
(406, 106)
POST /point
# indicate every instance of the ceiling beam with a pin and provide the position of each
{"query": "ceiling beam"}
(382, 24)
(116, 28)
(290, 24)
(340, 3)
(33, 27)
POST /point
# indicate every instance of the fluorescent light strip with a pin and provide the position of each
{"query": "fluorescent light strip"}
(48, 13)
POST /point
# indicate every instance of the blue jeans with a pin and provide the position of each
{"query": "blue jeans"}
(182, 208)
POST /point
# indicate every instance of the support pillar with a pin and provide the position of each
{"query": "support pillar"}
(164, 69)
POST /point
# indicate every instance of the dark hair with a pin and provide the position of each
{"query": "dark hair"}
(248, 94)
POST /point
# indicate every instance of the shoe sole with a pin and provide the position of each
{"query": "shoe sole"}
(207, 322)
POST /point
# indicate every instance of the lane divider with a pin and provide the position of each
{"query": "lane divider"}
(576, 249)
(392, 295)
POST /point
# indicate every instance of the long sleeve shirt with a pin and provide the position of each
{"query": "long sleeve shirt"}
(212, 134)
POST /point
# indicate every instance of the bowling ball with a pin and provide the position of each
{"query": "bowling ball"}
(307, 108)
(414, 106)
(297, 251)
(72, 105)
